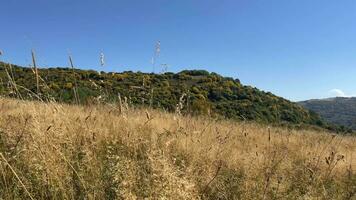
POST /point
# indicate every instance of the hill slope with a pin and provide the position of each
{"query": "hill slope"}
(196, 92)
(339, 110)
(59, 151)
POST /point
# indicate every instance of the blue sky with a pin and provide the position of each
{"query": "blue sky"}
(298, 49)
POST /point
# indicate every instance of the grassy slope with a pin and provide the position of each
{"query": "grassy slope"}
(97, 152)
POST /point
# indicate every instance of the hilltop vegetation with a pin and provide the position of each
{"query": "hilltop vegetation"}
(60, 151)
(339, 110)
(195, 91)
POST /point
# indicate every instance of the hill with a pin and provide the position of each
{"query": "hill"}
(61, 151)
(339, 110)
(191, 92)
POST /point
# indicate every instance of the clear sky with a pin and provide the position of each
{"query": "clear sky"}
(297, 49)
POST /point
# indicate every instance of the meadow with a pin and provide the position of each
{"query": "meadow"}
(51, 150)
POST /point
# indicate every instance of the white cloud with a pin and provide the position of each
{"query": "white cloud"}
(337, 93)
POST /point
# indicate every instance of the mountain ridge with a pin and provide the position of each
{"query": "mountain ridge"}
(337, 110)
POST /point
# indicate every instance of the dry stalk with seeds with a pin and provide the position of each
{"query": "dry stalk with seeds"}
(180, 105)
(35, 71)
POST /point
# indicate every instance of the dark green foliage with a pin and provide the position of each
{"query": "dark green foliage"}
(205, 93)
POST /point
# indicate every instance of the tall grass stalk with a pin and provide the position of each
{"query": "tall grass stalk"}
(76, 97)
(18, 178)
(36, 71)
(12, 82)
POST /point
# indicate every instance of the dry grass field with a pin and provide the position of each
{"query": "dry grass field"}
(56, 151)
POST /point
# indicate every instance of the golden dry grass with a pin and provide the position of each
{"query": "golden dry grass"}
(54, 151)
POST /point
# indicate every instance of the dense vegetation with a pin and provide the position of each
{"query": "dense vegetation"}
(339, 110)
(195, 92)
(58, 151)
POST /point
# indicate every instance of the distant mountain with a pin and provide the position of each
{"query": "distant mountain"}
(338, 110)
(191, 91)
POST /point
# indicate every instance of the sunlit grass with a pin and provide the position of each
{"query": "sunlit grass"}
(55, 151)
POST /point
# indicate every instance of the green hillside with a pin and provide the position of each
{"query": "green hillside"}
(339, 110)
(194, 92)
